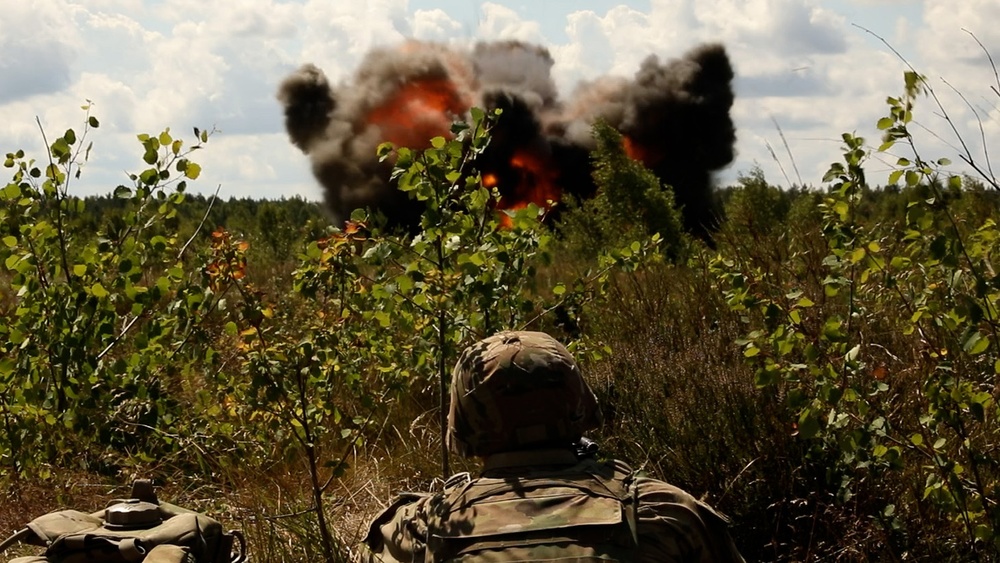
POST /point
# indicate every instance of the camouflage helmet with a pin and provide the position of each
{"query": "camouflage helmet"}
(517, 390)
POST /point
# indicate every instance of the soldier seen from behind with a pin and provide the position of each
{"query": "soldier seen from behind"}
(520, 403)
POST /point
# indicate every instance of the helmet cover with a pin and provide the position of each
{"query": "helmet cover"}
(518, 390)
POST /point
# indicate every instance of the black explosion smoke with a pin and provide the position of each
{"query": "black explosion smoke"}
(673, 115)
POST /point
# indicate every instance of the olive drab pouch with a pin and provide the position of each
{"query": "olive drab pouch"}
(133, 530)
(574, 516)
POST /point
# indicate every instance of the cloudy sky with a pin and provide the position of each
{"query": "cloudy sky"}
(803, 64)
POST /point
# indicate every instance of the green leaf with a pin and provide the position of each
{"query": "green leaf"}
(842, 209)
(231, 329)
(10, 241)
(98, 291)
(808, 426)
(899, 262)
(559, 289)
(158, 242)
(60, 149)
(885, 123)
(192, 171)
(149, 176)
(79, 269)
(404, 283)
(976, 344)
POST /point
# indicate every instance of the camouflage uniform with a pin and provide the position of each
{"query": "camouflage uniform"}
(519, 401)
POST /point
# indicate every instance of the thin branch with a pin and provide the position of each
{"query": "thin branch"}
(967, 156)
(347, 448)
(979, 120)
(119, 337)
(79, 147)
(780, 167)
(59, 211)
(564, 300)
(938, 137)
(787, 149)
(996, 75)
(732, 481)
(201, 224)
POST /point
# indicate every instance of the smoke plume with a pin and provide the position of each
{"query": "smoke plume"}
(673, 115)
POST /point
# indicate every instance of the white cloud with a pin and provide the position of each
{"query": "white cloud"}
(500, 22)
(39, 41)
(188, 62)
(338, 34)
(435, 25)
(785, 26)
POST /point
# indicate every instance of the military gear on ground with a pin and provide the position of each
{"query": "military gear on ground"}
(137, 529)
(518, 390)
(546, 505)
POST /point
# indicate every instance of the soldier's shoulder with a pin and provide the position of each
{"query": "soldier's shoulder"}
(654, 491)
(667, 511)
(401, 512)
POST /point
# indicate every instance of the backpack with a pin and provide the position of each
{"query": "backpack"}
(585, 513)
(133, 530)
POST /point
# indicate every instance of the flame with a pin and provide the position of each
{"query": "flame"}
(536, 182)
(635, 151)
(422, 109)
(537, 178)
(648, 156)
(417, 112)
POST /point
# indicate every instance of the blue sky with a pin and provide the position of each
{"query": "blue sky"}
(183, 63)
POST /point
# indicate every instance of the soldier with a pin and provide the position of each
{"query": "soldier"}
(519, 402)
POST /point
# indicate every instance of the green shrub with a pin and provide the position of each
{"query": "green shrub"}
(631, 204)
(887, 363)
